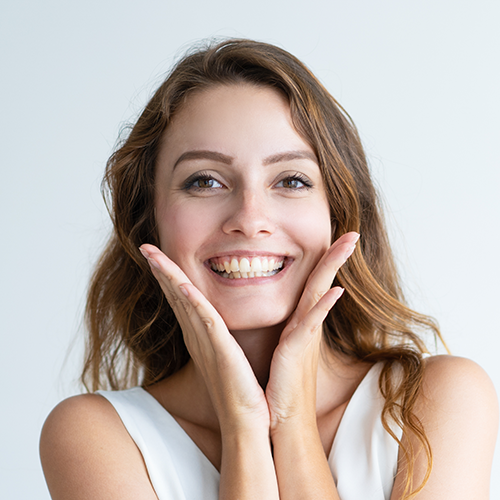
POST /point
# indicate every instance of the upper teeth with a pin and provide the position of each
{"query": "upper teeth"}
(247, 267)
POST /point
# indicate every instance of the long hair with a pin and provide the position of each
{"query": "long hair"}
(134, 336)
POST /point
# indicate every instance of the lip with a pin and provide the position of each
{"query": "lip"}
(264, 280)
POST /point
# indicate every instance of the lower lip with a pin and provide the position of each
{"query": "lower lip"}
(264, 280)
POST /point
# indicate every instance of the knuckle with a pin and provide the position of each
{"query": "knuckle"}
(208, 323)
(311, 325)
(318, 295)
(186, 306)
(171, 297)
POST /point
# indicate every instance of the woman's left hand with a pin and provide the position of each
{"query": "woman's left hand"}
(291, 390)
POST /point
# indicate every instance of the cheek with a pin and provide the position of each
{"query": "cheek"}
(181, 231)
(312, 226)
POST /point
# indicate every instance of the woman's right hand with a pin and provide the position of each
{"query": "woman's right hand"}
(238, 399)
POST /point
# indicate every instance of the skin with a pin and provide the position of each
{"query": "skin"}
(259, 372)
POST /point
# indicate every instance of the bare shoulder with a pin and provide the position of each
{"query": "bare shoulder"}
(458, 408)
(452, 381)
(79, 410)
(86, 453)
(458, 397)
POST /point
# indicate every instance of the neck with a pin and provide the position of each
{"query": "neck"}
(258, 346)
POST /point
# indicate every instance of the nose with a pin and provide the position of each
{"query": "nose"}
(250, 214)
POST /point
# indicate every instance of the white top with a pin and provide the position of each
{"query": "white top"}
(363, 458)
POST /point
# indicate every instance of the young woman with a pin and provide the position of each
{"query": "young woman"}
(268, 362)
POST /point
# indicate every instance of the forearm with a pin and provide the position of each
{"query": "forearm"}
(301, 464)
(247, 468)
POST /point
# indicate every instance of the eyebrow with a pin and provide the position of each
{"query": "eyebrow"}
(289, 156)
(227, 160)
(204, 155)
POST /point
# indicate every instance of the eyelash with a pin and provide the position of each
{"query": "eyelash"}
(202, 176)
(307, 184)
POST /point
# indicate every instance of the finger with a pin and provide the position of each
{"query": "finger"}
(171, 278)
(166, 282)
(159, 261)
(180, 308)
(188, 302)
(204, 316)
(310, 326)
(324, 273)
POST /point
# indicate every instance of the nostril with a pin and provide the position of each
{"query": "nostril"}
(249, 215)
(249, 226)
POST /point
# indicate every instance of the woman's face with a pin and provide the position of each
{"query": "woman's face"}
(240, 203)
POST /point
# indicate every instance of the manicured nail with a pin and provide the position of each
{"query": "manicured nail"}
(183, 290)
(153, 263)
(144, 253)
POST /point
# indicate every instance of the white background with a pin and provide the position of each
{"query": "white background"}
(420, 78)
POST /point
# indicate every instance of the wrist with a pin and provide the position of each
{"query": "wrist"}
(244, 430)
(297, 426)
(243, 437)
(291, 423)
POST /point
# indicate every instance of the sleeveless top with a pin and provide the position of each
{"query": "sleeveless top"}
(363, 458)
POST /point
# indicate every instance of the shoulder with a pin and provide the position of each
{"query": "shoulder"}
(458, 395)
(458, 409)
(80, 407)
(77, 416)
(451, 381)
(86, 452)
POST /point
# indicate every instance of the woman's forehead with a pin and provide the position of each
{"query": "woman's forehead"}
(234, 120)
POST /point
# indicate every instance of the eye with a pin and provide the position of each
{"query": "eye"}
(202, 181)
(294, 182)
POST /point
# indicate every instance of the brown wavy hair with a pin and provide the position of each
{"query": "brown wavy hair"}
(134, 336)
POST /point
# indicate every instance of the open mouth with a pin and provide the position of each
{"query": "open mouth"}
(246, 267)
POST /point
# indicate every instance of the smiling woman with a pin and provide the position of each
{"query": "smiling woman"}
(248, 337)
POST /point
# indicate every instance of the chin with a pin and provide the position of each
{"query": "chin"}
(254, 319)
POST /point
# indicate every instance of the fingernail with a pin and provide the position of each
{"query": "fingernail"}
(144, 253)
(183, 290)
(153, 263)
(349, 251)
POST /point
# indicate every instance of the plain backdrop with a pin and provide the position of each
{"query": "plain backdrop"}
(420, 79)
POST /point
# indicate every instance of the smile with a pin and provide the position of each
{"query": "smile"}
(246, 267)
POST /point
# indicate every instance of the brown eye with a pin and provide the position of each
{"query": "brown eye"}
(202, 182)
(205, 183)
(294, 183)
(291, 183)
